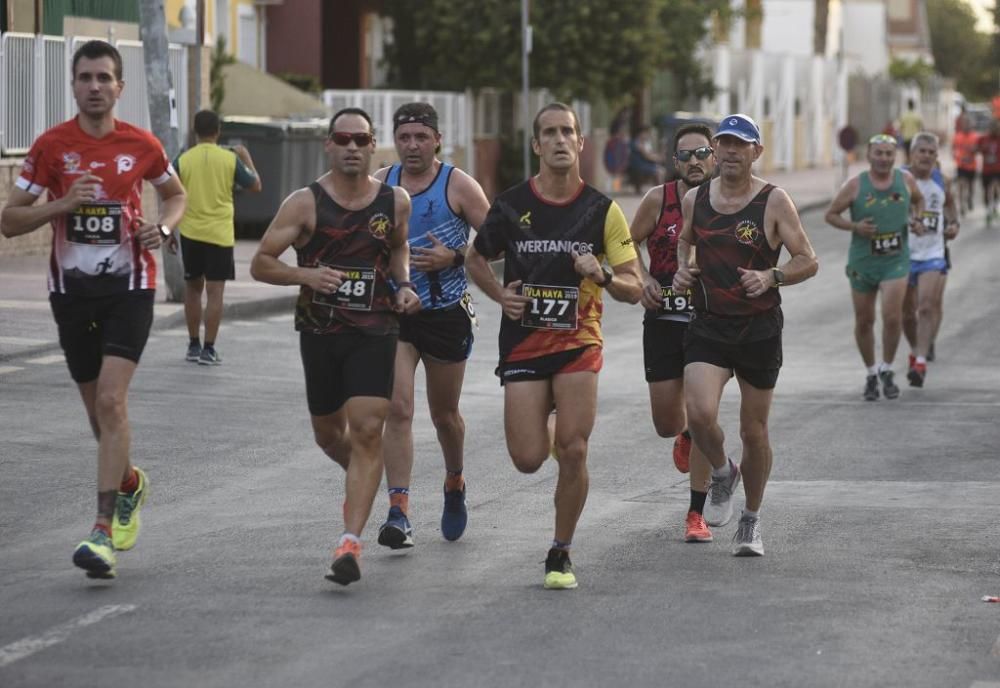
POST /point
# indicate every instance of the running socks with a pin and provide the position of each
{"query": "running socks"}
(194, 341)
(755, 515)
(883, 366)
(400, 496)
(698, 501)
(559, 544)
(872, 370)
(723, 472)
(349, 537)
(103, 527)
(131, 483)
(454, 481)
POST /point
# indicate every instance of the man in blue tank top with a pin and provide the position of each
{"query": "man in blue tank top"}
(446, 202)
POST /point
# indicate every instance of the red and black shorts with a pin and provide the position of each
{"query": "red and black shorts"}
(91, 328)
(588, 359)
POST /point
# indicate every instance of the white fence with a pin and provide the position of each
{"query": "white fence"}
(452, 109)
(35, 92)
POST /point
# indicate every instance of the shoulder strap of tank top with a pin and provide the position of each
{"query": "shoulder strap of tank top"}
(670, 194)
(392, 176)
(317, 192)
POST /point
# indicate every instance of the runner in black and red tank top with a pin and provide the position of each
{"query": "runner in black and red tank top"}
(350, 233)
(658, 222)
(737, 225)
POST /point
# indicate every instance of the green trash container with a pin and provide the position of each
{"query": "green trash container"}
(288, 155)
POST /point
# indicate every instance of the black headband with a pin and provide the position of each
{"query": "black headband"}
(428, 119)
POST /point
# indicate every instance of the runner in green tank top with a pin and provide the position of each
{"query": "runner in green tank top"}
(884, 202)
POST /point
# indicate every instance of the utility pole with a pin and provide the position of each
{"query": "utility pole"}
(162, 114)
(525, 107)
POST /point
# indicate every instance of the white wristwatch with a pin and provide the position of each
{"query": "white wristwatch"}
(164, 231)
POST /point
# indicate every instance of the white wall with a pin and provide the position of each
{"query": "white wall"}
(788, 27)
(864, 34)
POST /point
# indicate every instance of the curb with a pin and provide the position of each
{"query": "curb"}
(240, 310)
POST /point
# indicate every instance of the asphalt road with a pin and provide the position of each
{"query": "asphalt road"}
(879, 523)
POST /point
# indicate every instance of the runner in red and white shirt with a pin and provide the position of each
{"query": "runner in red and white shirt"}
(102, 273)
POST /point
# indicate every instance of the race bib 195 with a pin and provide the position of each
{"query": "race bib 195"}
(551, 307)
(676, 303)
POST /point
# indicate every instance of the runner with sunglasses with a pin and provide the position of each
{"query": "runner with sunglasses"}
(349, 231)
(658, 222)
(885, 206)
(446, 203)
(734, 229)
(102, 275)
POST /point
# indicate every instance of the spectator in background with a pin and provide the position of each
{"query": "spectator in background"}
(910, 124)
(208, 172)
(964, 147)
(645, 164)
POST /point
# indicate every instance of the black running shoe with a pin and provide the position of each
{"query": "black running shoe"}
(871, 388)
(889, 388)
(559, 571)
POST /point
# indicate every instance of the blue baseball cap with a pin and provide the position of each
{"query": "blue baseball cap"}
(740, 126)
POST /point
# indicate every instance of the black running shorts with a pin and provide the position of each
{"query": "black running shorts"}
(758, 362)
(201, 259)
(344, 365)
(442, 334)
(663, 349)
(92, 328)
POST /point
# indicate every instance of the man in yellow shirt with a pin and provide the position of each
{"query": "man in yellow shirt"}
(208, 172)
(910, 124)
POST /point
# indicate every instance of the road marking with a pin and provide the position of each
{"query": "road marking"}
(24, 341)
(41, 304)
(36, 643)
(984, 684)
(242, 323)
(9, 369)
(935, 404)
(279, 318)
(46, 360)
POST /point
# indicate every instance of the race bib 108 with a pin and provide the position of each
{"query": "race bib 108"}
(95, 224)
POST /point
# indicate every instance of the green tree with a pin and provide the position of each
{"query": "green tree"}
(596, 49)
(960, 51)
(216, 77)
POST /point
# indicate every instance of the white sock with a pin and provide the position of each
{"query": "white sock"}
(755, 515)
(722, 472)
(349, 537)
(922, 359)
(873, 370)
(883, 366)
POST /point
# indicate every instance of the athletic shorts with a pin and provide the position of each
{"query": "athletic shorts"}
(966, 174)
(443, 334)
(757, 362)
(988, 178)
(201, 259)
(663, 349)
(92, 328)
(932, 265)
(587, 359)
(345, 365)
(866, 278)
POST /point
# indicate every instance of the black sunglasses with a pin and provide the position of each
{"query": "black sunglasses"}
(700, 153)
(342, 138)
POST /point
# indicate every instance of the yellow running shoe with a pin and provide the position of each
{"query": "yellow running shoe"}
(559, 571)
(125, 527)
(96, 556)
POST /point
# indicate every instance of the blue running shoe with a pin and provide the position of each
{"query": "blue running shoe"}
(396, 532)
(455, 516)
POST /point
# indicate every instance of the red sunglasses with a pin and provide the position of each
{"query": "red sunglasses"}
(342, 138)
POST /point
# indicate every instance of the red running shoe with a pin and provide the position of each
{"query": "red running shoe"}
(696, 530)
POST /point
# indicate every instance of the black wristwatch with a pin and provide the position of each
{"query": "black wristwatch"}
(164, 231)
(778, 276)
(459, 259)
(608, 276)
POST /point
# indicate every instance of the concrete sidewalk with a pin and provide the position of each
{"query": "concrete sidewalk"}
(27, 328)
